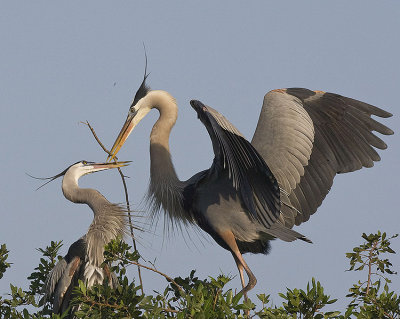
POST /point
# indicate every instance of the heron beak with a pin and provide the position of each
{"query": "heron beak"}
(129, 125)
(103, 166)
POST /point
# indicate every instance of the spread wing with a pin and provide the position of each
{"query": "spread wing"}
(307, 137)
(247, 170)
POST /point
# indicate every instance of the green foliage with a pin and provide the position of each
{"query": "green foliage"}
(19, 301)
(103, 302)
(3, 257)
(118, 253)
(369, 300)
(205, 298)
(308, 303)
(187, 297)
(47, 263)
(191, 297)
(300, 304)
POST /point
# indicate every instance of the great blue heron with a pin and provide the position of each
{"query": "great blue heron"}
(255, 192)
(85, 256)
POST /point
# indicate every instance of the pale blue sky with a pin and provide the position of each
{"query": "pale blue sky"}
(66, 62)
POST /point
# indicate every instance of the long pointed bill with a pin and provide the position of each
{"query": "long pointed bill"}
(122, 137)
(96, 168)
(134, 117)
(103, 166)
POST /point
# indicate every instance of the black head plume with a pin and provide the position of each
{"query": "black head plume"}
(144, 88)
(52, 178)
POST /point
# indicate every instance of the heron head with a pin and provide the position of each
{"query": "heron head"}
(199, 107)
(81, 168)
(136, 113)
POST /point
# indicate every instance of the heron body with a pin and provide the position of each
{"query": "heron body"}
(255, 192)
(85, 256)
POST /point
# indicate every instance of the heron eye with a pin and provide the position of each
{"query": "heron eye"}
(132, 111)
(84, 162)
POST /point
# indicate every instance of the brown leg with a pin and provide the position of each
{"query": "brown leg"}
(230, 240)
(240, 268)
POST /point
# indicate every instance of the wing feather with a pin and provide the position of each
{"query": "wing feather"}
(307, 137)
(53, 278)
(247, 170)
(59, 280)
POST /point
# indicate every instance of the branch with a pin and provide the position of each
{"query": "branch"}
(170, 310)
(371, 253)
(126, 197)
(130, 224)
(97, 139)
(379, 307)
(152, 269)
(106, 304)
(114, 306)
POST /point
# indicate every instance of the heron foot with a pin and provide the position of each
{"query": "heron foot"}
(251, 284)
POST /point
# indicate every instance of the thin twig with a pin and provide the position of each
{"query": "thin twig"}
(215, 299)
(170, 310)
(378, 306)
(371, 253)
(119, 256)
(106, 304)
(130, 224)
(97, 139)
(126, 198)
(158, 272)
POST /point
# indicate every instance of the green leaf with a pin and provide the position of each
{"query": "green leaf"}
(237, 298)
(82, 287)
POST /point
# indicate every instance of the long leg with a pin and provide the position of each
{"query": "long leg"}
(240, 267)
(230, 240)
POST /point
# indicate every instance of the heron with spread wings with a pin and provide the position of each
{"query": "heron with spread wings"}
(85, 256)
(257, 191)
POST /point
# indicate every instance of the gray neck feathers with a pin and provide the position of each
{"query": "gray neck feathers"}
(75, 194)
(109, 220)
(165, 190)
(110, 223)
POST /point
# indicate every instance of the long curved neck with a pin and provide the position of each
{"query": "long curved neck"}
(109, 220)
(165, 187)
(166, 105)
(161, 162)
(75, 194)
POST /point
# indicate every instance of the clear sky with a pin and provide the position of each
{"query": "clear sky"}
(66, 62)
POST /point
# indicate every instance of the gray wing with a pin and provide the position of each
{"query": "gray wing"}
(63, 287)
(60, 278)
(247, 170)
(53, 278)
(307, 137)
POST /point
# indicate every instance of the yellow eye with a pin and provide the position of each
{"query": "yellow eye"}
(84, 162)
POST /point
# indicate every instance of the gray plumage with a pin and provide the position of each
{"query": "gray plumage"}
(255, 192)
(308, 137)
(85, 256)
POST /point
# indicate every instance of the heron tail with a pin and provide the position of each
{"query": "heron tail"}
(279, 231)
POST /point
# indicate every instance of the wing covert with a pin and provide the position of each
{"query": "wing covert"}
(247, 170)
(53, 277)
(284, 137)
(340, 131)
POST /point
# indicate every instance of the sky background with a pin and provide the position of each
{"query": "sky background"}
(66, 62)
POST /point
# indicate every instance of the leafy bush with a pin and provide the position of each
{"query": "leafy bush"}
(192, 297)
